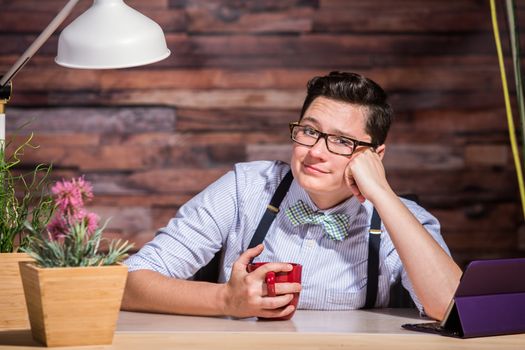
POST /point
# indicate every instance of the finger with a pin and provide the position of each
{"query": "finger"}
(357, 193)
(261, 272)
(348, 172)
(282, 312)
(287, 288)
(249, 254)
(355, 190)
(283, 288)
(271, 303)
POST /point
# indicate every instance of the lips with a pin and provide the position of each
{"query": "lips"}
(314, 169)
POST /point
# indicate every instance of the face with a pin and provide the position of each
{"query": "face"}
(318, 171)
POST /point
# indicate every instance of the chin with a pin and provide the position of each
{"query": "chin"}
(314, 184)
(321, 186)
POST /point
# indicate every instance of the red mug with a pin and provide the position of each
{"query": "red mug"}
(292, 276)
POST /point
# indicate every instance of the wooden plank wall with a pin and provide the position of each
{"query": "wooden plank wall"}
(149, 138)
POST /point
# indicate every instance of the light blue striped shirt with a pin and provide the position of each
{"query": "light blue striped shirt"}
(226, 214)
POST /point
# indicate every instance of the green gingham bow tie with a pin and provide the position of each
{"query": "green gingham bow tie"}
(335, 225)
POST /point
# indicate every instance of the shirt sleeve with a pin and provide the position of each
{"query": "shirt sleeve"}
(432, 226)
(194, 235)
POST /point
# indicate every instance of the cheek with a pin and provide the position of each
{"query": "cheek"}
(340, 168)
(298, 153)
(295, 161)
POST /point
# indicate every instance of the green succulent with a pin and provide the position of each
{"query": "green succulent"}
(76, 248)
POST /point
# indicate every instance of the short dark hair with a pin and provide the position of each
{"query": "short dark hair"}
(355, 89)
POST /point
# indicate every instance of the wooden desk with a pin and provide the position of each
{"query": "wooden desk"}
(378, 329)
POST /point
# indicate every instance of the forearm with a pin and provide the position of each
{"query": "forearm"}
(433, 273)
(153, 292)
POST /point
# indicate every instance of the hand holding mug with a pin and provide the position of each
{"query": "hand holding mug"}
(246, 293)
(279, 277)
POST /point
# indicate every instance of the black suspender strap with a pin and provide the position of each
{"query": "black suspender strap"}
(271, 210)
(374, 241)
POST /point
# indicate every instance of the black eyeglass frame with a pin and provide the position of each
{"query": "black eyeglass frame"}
(323, 135)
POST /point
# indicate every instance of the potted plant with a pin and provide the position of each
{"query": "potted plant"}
(73, 290)
(23, 199)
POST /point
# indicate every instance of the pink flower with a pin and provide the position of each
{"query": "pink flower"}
(85, 188)
(91, 222)
(67, 196)
(70, 197)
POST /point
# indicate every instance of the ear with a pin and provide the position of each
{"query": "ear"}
(381, 151)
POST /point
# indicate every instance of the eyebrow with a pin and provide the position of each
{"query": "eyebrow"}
(332, 131)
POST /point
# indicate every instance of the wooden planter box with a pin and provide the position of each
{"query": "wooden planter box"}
(73, 305)
(13, 311)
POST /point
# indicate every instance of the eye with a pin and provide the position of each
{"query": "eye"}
(341, 141)
(309, 131)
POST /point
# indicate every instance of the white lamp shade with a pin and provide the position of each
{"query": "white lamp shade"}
(110, 34)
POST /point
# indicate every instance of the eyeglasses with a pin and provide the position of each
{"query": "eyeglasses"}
(308, 136)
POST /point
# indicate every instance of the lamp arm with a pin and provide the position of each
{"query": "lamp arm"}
(39, 41)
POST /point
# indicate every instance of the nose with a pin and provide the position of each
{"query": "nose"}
(319, 148)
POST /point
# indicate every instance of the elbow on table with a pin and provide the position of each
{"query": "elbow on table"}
(436, 301)
(437, 306)
(436, 310)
